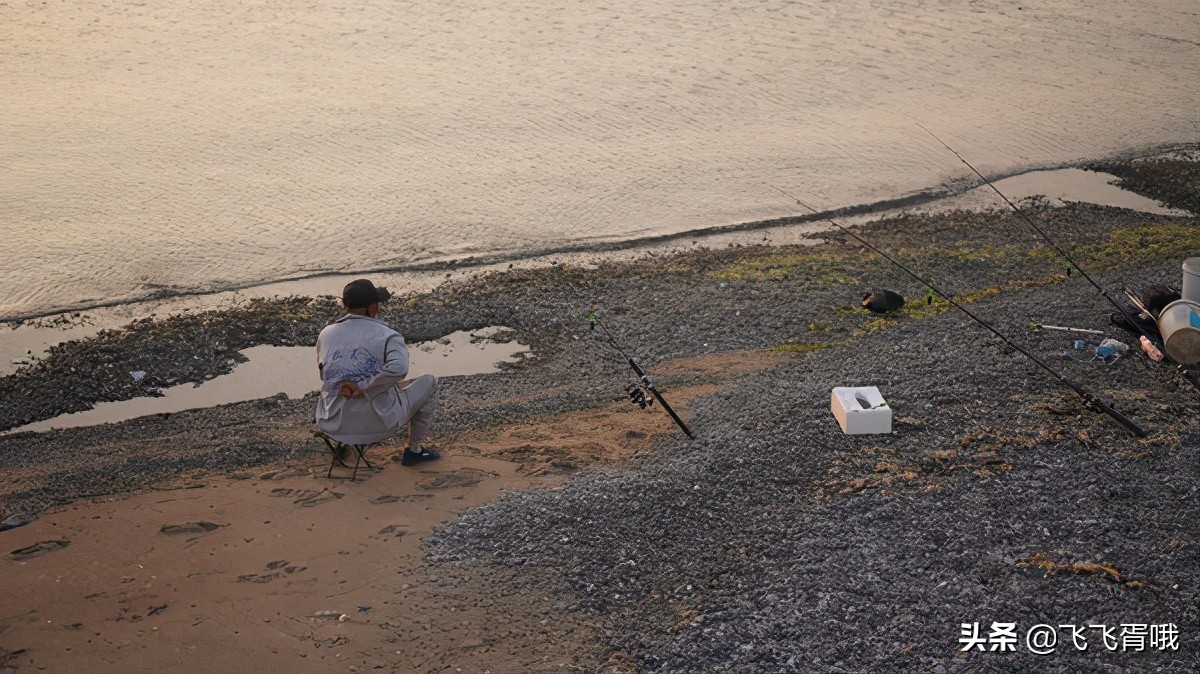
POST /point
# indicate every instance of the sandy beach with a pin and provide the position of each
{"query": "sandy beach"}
(281, 572)
(288, 569)
(568, 530)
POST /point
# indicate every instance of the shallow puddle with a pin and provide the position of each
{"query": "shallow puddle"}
(293, 370)
(1058, 186)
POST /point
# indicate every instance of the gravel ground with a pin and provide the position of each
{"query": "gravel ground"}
(1170, 178)
(772, 542)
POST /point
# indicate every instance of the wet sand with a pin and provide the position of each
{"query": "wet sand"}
(285, 573)
(285, 569)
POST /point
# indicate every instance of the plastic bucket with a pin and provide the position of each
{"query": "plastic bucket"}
(1179, 324)
(1191, 279)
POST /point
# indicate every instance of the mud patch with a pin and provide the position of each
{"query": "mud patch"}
(727, 364)
(1106, 571)
(463, 477)
(566, 442)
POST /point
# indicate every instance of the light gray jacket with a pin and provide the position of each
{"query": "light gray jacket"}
(373, 356)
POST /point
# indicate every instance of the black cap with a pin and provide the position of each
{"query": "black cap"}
(362, 293)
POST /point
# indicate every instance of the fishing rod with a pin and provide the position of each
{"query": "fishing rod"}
(1129, 317)
(634, 393)
(1089, 398)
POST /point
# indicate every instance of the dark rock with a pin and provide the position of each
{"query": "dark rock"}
(882, 301)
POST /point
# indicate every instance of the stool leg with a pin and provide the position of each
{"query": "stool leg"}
(366, 461)
(336, 448)
(334, 453)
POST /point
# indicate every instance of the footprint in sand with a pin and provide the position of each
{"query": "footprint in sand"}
(275, 570)
(284, 492)
(190, 528)
(463, 477)
(307, 498)
(392, 531)
(393, 498)
(283, 474)
(38, 549)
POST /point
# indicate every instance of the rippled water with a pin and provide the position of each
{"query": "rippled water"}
(172, 145)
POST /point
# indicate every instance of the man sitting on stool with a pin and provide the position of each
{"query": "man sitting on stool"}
(364, 398)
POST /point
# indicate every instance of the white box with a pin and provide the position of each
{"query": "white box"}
(861, 411)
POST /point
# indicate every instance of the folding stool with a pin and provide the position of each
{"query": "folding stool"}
(338, 449)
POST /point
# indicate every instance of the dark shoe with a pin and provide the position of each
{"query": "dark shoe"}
(412, 458)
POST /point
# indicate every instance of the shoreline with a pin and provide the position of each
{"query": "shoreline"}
(649, 552)
(950, 188)
(216, 336)
(26, 343)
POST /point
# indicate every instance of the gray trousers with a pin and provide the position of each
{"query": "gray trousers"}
(418, 399)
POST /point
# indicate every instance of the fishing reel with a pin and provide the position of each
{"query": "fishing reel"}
(643, 393)
(637, 395)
